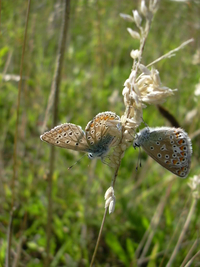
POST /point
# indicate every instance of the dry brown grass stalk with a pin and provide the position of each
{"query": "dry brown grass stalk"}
(53, 100)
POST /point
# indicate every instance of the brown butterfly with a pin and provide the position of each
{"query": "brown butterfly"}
(170, 147)
(96, 140)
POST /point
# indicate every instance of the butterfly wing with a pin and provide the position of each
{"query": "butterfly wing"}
(68, 136)
(99, 135)
(171, 148)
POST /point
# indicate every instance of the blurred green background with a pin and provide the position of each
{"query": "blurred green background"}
(97, 63)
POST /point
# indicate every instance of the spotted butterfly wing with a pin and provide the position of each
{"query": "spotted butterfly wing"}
(170, 147)
(98, 134)
(101, 133)
(68, 136)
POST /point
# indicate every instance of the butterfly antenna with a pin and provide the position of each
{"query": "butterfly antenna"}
(76, 162)
(140, 157)
(145, 123)
(139, 160)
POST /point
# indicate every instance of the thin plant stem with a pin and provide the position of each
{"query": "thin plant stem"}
(49, 211)
(16, 138)
(18, 105)
(5, 127)
(103, 221)
(9, 238)
(185, 227)
(171, 53)
(189, 253)
(142, 45)
(7, 63)
(174, 234)
(99, 237)
(190, 261)
(168, 54)
(55, 89)
(18, 252)
(59, 61)
(0, 17)
(160, 253)
(155, 221)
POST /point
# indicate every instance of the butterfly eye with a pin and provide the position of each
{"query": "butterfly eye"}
(90, 156)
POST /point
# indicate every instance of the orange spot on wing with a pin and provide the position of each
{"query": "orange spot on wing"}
(105, 118)
(177, 134)
(180, 141)
(175, 161)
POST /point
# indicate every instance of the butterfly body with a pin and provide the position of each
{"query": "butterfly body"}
(170, 147)
(95, 140)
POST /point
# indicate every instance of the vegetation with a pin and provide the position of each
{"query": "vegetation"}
(152, 205)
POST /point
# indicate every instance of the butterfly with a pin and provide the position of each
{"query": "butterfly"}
(170, 147)
(100, 134)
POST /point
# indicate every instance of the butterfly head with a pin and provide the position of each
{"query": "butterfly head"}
(91, 156)
(141, 137)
